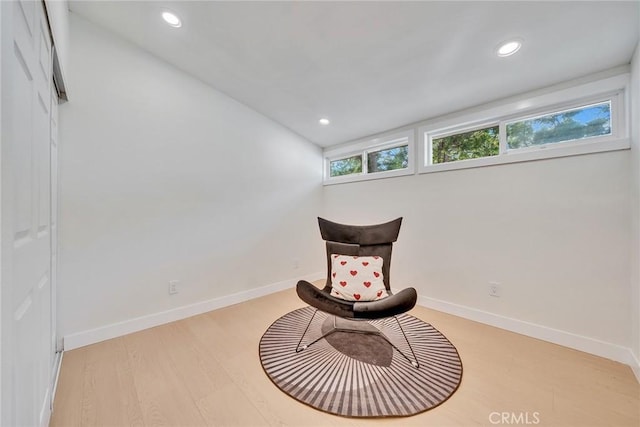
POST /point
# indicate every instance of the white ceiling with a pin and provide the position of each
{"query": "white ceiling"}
(374, 66)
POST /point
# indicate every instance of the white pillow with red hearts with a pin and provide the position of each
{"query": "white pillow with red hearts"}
(357, 278)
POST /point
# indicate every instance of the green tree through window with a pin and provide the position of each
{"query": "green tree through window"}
(467, 145)
(586, 122)
(389, 159)
(347, 166)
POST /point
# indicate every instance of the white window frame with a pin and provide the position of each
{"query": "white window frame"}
(463, 129)
(366, 146)
(612, 88)
(614, 102)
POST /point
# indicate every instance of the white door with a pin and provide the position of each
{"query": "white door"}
(56, 343)
(26, 214)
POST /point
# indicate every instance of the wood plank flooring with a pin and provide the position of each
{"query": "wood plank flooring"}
(205, 371)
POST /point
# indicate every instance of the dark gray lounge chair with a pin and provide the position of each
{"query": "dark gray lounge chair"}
(359, 240)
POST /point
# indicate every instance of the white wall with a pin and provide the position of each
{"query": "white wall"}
(635, 205)
(164, 178)
(150, 192)
(554, 233)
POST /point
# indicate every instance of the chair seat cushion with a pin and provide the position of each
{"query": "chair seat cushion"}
(357, 278)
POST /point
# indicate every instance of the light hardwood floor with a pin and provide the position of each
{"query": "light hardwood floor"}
(205, 371)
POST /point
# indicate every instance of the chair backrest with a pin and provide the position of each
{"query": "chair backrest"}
(360, 240)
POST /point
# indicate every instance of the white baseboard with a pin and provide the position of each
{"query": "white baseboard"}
(635, 365)
(92, 336)
(567, 339)
(556, 336)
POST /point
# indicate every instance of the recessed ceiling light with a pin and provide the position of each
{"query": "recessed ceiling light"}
(172, 19)
(509, 47)
(324, 121)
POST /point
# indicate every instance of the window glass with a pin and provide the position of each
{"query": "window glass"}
(388, 159)
(568, 125)
(346, 166)
(467, 145)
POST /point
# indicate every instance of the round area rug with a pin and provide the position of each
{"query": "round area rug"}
(360, 375)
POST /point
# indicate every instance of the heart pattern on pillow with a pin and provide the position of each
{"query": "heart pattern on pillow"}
(357, 278)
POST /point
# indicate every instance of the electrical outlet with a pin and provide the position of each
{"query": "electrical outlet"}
(173, 287)
(495, 290)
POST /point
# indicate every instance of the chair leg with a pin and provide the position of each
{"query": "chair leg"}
(306, 346)
(298, 349)
(413, 362)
